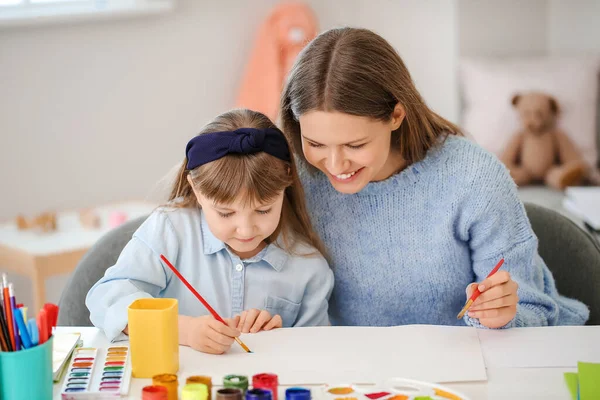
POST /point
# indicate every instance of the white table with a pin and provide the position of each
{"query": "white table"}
(41, 255)
(564, 344)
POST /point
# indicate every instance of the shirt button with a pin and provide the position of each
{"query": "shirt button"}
(239, 267)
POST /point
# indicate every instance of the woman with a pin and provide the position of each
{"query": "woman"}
(411, 213)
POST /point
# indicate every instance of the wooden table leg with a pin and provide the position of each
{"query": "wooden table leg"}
(52, 265)
(23, 264)
(38, 285)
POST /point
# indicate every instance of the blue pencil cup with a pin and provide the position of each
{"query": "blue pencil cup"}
(27, 374)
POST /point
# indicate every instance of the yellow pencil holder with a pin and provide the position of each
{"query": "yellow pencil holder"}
(153, 337)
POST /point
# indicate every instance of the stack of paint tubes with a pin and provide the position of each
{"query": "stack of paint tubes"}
(16, 332)
(235, 387)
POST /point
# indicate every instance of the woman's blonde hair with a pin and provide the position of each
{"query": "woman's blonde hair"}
(357, 72)
(259, 177)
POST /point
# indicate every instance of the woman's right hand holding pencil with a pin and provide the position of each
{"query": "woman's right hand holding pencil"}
(206, 334)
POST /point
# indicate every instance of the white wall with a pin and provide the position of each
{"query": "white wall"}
(528, 27)
(502, 28)
(573, 26)
(99, 112)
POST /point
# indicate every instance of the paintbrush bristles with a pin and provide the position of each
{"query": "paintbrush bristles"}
(243, 345)
(464, 309)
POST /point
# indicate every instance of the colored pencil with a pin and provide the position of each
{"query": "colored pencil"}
(4, 336)
(8, 311)
(13, 305)
(23, 333)
(34, 333)
(23, 310)
(3, 343)
(476, 292)
(204, 302)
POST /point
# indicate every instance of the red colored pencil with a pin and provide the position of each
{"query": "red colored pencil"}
(204, 302)
(476, 292)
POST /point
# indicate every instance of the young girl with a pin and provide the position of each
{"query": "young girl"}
(403, 201)
(236, 228)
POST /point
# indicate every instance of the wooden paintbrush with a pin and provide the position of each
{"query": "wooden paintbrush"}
(476, 293)
(204, 302)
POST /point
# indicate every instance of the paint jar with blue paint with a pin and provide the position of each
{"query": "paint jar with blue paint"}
(258, 394)
(296, 393)
(27, 374)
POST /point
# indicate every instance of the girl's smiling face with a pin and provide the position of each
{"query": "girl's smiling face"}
(241, 225)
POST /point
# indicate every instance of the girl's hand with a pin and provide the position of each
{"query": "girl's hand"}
(496, 306)
(206, 334)
(252, 321)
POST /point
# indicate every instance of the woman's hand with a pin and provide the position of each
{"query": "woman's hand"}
(496, 306)
(206, 334)
(253, 320)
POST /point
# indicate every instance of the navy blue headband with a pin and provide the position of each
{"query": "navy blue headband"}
(209, 147)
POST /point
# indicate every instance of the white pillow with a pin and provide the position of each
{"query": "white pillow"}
(488, 85)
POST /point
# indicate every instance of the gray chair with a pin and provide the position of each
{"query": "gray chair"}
(91, 268)
(562, 244)
(571, 254)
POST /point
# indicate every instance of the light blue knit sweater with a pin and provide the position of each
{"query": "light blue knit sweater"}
(403, 250)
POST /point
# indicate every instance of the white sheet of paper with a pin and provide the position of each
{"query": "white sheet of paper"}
(320, 355)
(540, 347)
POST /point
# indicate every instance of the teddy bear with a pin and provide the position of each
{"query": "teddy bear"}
(539, 151)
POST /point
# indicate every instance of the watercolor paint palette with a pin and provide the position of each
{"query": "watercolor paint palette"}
(392, 389)
(90, 377)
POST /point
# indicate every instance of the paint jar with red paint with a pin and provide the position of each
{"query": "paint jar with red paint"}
(267, 382)
(155, 392)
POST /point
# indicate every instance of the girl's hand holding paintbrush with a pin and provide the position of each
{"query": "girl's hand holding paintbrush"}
(253, 320)
(496, 306)
(207, 334)
(211, 336)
